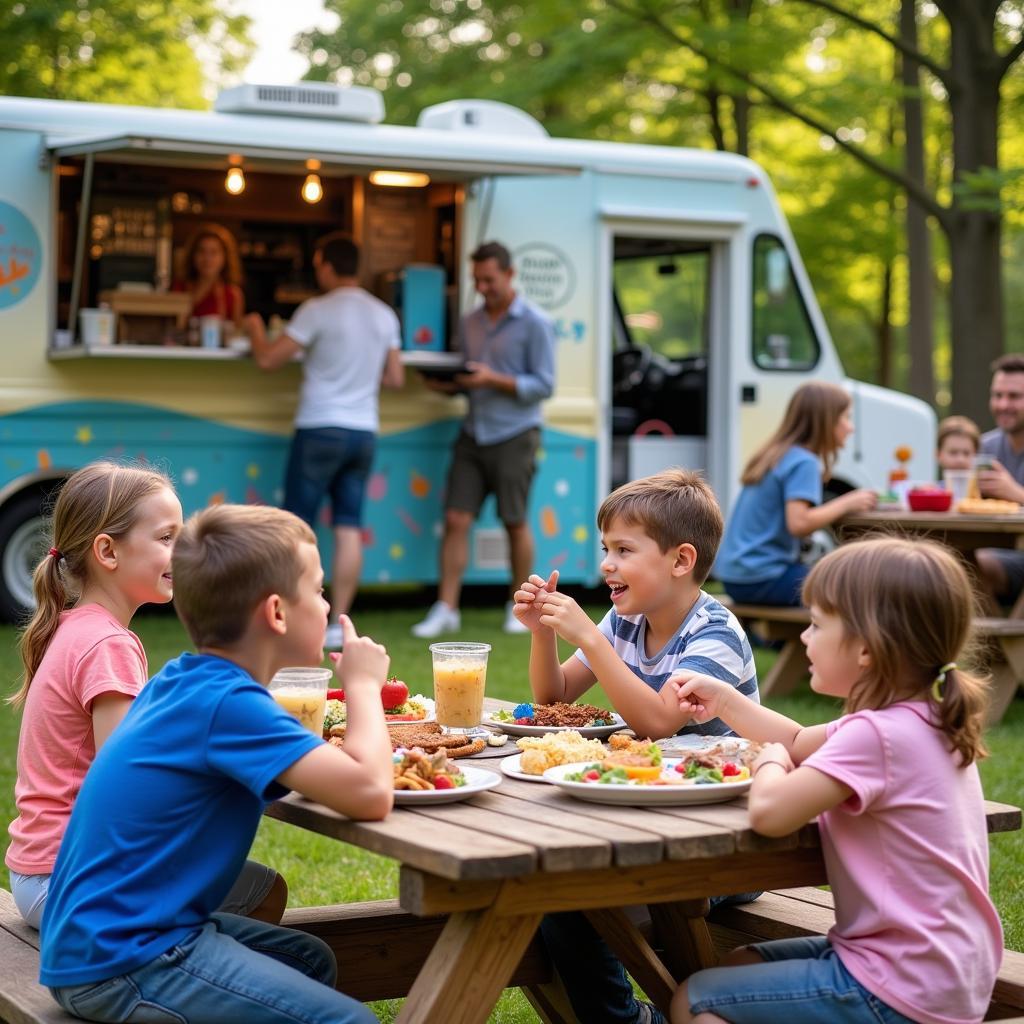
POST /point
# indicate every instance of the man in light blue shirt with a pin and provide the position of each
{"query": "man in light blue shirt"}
(509, 347)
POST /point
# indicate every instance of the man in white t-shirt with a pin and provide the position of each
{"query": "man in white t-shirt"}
(350, 345)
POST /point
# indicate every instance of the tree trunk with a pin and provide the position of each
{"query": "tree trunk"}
(884, 328)
(921, 328)
(976, 287)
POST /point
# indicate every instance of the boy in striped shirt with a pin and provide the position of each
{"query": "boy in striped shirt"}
(660, 535)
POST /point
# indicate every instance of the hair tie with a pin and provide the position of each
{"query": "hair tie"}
(940, 681)
(54, 553)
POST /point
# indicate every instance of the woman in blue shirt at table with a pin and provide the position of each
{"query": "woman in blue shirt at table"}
(781, 500)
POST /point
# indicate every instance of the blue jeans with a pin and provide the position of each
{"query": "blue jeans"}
(783, 590)
(231, 969)
(803, 981)
(332, 461)
(594, 978)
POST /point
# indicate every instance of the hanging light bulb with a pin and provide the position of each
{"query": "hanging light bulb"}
(312, 188)
(234, 183)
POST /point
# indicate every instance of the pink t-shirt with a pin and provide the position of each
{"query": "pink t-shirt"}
(907, 858)
(90, 654)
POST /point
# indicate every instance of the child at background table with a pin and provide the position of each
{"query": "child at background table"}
(113, 529)
(172, 802)
(781, 500)
(958, 442)
(660, 535)
(895, 788)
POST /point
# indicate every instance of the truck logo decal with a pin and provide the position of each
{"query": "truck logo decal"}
(21, 255)
(545, 274)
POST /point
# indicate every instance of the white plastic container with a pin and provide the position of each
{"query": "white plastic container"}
(97, 326)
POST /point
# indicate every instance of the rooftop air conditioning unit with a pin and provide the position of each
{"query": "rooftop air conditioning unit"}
(486, 116)
(305, 99)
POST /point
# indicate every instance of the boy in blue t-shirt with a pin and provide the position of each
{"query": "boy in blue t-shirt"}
(660, 535)
(171, 804)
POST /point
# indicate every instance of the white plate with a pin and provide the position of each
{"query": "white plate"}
(478, 780)
(640, 794)
(588, 731)
(510, 767)
(693, 742)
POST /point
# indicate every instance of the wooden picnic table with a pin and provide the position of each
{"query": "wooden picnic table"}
(493, 865)
(964, 533)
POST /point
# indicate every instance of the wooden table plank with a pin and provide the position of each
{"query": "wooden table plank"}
(559, 848)
(422, 894)
(446, 850)
(629, 845)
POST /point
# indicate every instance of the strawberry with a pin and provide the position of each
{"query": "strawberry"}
(729, 769)
(592, 776)
(394, 693)
(523, 721)
(335, 694)
(443, 782)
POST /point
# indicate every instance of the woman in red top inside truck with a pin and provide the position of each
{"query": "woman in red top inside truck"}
(213, 274)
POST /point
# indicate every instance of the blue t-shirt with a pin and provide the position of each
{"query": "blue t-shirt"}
(757, 546)
(710, 640)
(165, 819)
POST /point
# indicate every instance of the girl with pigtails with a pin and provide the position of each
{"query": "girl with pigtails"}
(894, 786)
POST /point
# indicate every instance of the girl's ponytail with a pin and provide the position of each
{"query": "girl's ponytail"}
(51, 595)
(102, 497)
(960, 700)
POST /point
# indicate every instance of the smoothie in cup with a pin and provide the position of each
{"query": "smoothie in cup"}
(460, 670)
(303, 693)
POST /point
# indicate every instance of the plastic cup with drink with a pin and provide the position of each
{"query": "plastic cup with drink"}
(303, 693)
(460, 673)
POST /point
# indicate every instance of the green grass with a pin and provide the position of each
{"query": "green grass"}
(321, 870)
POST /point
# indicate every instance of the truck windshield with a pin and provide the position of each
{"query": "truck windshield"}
(662, 291)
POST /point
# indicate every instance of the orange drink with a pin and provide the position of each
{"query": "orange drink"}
(302, 692)
(460, 672)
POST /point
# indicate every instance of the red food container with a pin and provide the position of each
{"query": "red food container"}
(929, 501)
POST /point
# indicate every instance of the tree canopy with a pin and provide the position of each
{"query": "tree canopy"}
(120, 51)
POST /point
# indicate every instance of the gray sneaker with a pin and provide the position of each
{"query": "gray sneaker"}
(440, 619)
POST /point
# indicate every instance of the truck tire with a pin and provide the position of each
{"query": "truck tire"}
(24, 539)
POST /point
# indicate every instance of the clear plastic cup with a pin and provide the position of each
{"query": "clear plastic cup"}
(303, 693)
(460, 674)
(958, 483)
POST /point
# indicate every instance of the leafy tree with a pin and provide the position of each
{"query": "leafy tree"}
(119, 51)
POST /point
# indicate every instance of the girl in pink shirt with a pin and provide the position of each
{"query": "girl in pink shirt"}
(895, 788)
(113, 530)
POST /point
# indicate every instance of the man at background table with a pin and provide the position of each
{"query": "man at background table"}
(1002, 569)
(509, 347)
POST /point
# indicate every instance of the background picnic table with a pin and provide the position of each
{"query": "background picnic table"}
(319, 869)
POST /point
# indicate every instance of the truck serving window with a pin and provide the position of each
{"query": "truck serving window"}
(783, 335)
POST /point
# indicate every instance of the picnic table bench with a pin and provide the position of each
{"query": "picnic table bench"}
(1004, 636)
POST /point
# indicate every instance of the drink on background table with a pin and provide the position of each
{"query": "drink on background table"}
(460, 672)
(302, 692)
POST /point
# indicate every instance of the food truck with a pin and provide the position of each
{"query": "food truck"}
(683, 314)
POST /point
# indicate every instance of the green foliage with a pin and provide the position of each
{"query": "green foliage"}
(119, 51)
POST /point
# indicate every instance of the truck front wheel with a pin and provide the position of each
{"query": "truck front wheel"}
(23, 542)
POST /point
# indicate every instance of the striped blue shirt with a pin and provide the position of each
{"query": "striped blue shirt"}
(710, 640)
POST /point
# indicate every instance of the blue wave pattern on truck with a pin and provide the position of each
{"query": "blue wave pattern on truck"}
(211, 462)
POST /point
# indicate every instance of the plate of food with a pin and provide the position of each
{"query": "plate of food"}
(646, 778)
(425, 735)
(398, 705)
(538, 753)
(538, 719)
(422, 778)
